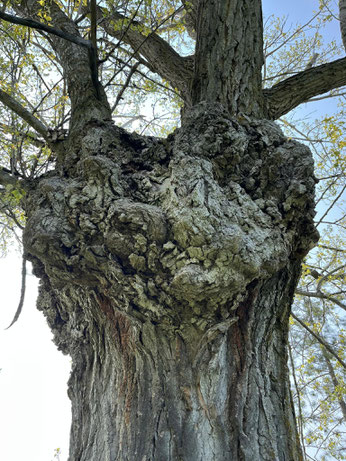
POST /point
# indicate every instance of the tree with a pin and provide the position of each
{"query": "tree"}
(167, 266)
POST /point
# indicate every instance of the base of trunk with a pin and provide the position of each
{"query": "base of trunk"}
(142, 391)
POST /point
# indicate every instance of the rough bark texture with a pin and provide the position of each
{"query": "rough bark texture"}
(167, 272)
(229, 55)
(168, 266)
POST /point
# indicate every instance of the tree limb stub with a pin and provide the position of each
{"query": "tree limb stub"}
(293, 91)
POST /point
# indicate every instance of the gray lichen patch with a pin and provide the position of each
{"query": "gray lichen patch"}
(176, 230)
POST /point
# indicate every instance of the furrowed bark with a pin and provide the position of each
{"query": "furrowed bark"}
(167, 272)
(229, 55)
(168, 267)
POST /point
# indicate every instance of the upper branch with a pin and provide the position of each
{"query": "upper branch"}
(34, 122)
(161, 57)
(288, 94)
(76, 55)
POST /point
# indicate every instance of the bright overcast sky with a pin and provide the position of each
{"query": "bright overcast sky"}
(34, 408)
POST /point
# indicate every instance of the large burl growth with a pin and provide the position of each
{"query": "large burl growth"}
(167, 271)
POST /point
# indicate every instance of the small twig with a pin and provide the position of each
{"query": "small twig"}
(320, 295)
(126, 84)
(300, 420)
(320, 340)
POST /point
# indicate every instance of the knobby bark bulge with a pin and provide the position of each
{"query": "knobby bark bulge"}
(168, 266)
(167, 272)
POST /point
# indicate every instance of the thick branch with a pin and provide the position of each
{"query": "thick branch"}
(90, 45)
(14, 105)
(288, 94)
(77, 56)
(163, 59)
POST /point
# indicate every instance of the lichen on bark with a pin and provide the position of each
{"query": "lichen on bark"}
(167, 271)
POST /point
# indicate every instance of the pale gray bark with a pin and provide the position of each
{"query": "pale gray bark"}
(168, 270)
(168, 267)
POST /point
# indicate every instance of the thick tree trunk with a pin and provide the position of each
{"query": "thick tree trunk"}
(167, 272)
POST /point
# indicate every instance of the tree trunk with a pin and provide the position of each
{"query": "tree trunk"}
(167, 272)
(229, 55)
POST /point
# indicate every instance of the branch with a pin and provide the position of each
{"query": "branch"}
(40, 26)
(126, 84)
(14, 105)
(320, 295)
(92, 53)
(163, 59)
(320, 340)
(289, 93)
(6, 179)
(335, 382)
(342, 14)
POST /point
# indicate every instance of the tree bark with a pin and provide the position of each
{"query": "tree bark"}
(229, 55)
(167, 272)
(168, 267)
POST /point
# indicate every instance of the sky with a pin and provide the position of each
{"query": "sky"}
(34, 407)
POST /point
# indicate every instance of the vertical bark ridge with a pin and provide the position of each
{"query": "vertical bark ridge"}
(142, 391)
(229, 55)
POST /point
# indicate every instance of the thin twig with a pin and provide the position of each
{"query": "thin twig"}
(320, 340)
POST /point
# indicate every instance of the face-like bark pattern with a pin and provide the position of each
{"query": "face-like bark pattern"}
(168, 268)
